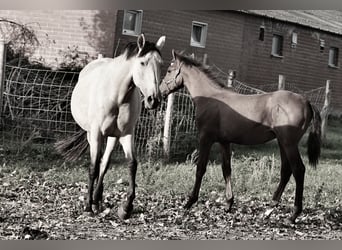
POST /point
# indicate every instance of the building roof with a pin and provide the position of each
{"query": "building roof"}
(325, 20)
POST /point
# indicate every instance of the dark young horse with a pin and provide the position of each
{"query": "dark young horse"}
(227, 117)
(106, 104)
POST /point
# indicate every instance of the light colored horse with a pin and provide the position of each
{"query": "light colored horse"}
(227, 117)
(106, 104)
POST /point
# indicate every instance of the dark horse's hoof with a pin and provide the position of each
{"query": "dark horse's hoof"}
(123, 214)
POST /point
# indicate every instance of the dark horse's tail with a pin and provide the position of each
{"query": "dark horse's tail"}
(314, 139)
(74, 146)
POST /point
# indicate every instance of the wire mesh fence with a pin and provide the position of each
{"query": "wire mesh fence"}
(36, 109)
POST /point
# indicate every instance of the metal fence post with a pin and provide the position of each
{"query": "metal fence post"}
(2, 71)
(325, 110)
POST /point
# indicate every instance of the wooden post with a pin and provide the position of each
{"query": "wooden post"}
(325, 111)
(205, 59)
(231, 77)
(167, 126)
(281, 82)
(2, 71)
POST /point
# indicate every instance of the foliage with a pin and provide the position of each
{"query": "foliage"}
(21, 38)
(74, 59)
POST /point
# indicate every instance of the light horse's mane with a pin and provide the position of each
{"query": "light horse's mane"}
(208, 71)
(131, 49)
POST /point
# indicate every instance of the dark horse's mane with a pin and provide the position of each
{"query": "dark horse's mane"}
(131, 49)
(208, 71)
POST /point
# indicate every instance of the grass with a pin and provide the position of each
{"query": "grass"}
(256, 171)
(37, 186)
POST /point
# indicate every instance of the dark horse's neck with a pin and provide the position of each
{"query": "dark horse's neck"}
(199, 83)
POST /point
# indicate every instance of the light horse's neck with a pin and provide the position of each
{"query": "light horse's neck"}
(199, 83)
(126, 84)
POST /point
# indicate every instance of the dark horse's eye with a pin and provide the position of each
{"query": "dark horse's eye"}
(142, 63)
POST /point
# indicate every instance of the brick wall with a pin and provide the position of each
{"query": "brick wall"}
(91, 31)
(305, 65)
(233, 43)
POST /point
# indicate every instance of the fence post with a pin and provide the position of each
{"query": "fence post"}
(231, 77)
(281, 82)
(205, 59)
(2, 71)
(325, 110)
(167, 126)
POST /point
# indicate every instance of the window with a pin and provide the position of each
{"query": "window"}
(198, 34)
(132, 22)
(333, 57)
(277, 45)
(261, 33)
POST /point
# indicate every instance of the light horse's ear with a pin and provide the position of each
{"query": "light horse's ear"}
(141, 42)
(160, 43)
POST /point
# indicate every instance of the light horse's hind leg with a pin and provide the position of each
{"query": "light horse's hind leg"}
(227, 170)
(111, 141)
(95, 141)
(126, 207)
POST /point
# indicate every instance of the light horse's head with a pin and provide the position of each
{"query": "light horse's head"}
(173, 79)
(146, 69)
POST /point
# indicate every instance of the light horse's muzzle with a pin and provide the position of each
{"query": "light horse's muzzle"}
(152, 101)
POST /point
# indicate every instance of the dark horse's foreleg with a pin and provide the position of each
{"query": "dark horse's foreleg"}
(95, 141)
(98, 193)
(285, 174)
(227, 171)
(124, 211)
(204, 149)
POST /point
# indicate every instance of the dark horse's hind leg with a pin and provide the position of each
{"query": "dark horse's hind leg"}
(204, 149)
(227, 170)
(298, 171)
(285, 174)
(124, 211)
(291, 163)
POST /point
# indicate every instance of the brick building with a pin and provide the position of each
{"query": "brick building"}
(305, 46)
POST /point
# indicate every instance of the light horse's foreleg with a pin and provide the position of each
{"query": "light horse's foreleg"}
(204, 150)
(227, 171)
(126, 207)
(95, 139)
(111, 141)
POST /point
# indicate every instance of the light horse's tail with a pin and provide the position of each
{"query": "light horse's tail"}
(74, 146)
(314, 139)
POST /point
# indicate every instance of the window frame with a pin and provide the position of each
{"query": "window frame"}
(333, 61)
(137, 25)
(204, 32)
(280, 46)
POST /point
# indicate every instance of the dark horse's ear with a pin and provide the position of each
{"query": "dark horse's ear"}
(141, 42)
(174, 55)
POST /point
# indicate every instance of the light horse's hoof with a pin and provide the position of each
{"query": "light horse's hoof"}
(123, 215)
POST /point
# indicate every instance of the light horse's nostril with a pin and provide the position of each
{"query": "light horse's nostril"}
(152, 102)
